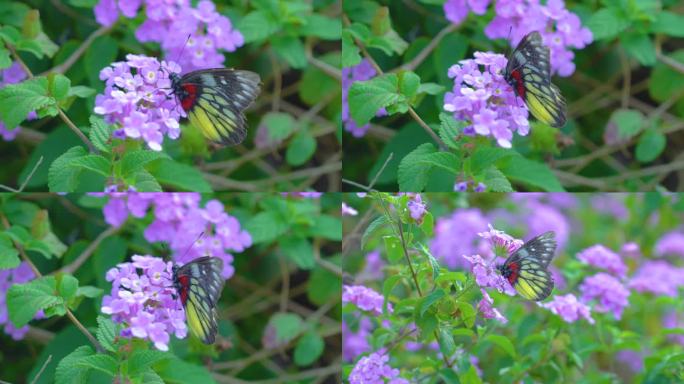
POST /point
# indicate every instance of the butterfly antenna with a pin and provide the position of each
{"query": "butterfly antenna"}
(180, 54)
(193, 243)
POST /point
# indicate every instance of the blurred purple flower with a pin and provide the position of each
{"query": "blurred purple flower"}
(467, 223)
(543, 217)
(373, 268)
(348, 211)
(560, 29)
(178, 219)
(609, 293)
(461, 186)
(457, 10)
(630, 250)
(8, 277)
(612, 204)
(481, 187)
(485, 100)
(658, 277)
(199, 33)
(356, 343)
(417, 208)
(558, 278)
(364, 298)
(672, 243)
(487, 276)
(632, 359)
(568, 308)
(142, 299)
(604, 258)
(361, 72)
(503, 243)
(673, 320)
(373, 369)
(12, 75)
(136, 99)
(485, 306)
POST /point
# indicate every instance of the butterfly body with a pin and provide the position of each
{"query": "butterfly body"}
(214, 100)
(528, 73)
(199, 284)
(526, 269)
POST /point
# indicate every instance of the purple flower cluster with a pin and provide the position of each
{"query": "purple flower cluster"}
(658, 277)
(12, 75)
(136, 99)
(364, 298)
(486, 275)
(484, 99)
(503, 243)
(177, 26)
(373, 369)
(457, 10)
(610, 294)
(361, 72)
(467, 223)
(602, 257)
(673, 320)
(611, 204)
(462, 186)
(142, 298)
(541, 213)
(560, 29)
(569, 308)
(486, 307)
(373, 268)
(179, 220)
(672, 243)
(417, 208)
(356, 343)
(8, 277)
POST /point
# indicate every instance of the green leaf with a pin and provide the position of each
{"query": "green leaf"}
(301, 148)
(640, 47)
(134, 161)
(25, 300)
(665, 82)
(607, 23)
(106, 333)
(99, 362)
(496, 181)
(61, 176)
(484, 157)
(100, 133)
(651, 144)
(309, 348)
(502, 342)
(299, 251)
(5, 59)
(444, 160)
(279, 125)
(324, 285)
(468, 313)
(471, 376)
(9, 256)
(101, 53)
(19, 234)
(178, 175)
(446, 342)
(531, 172)
(67, 286)
(286, 326)
(257, 25)
(145, 182)
(265, 227)
(393, 249)
(95, 163)
(629, 122)
(408, 84)
(176, 371)
(449, 130)
(327, 227)
(81, 91)
(412, 174)
(17, 100)
(367, 97)
(68, 371)
(376, 225)
(431, 88)
(350, 52)
(291, 49)
(321, 26)
(668, 23)
(58, 86)
(141, 360)
(428, 301)
(89, 291)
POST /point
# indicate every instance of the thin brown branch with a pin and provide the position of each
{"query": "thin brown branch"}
(85, 255)
(416, 61)
(71, 60)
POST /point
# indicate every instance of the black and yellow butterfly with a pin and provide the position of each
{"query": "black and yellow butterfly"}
(214, 100)
(529, 73)
(199, 284)
(526, 269)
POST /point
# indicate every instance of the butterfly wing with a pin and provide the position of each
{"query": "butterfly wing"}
(528, 71)
(200, 284)
(526, 269)
(214, 100)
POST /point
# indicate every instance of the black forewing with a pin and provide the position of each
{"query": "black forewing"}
(541, 249)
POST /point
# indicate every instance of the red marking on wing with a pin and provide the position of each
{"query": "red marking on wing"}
(520, 87)
(185, 286)
(189, 99)
(515, 270)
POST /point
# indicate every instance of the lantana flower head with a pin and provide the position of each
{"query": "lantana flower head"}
(672, 243)
(604, 258)
(610, 294)
(569, 308)
(449, 248)
(365, 298)
(143, 300)
(374, 369)
(137, 100)
(485, 101)
(658, 277)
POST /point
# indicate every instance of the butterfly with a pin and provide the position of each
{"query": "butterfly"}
(214, 100)
(529, 74)
(526, 269)
(199, 284)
